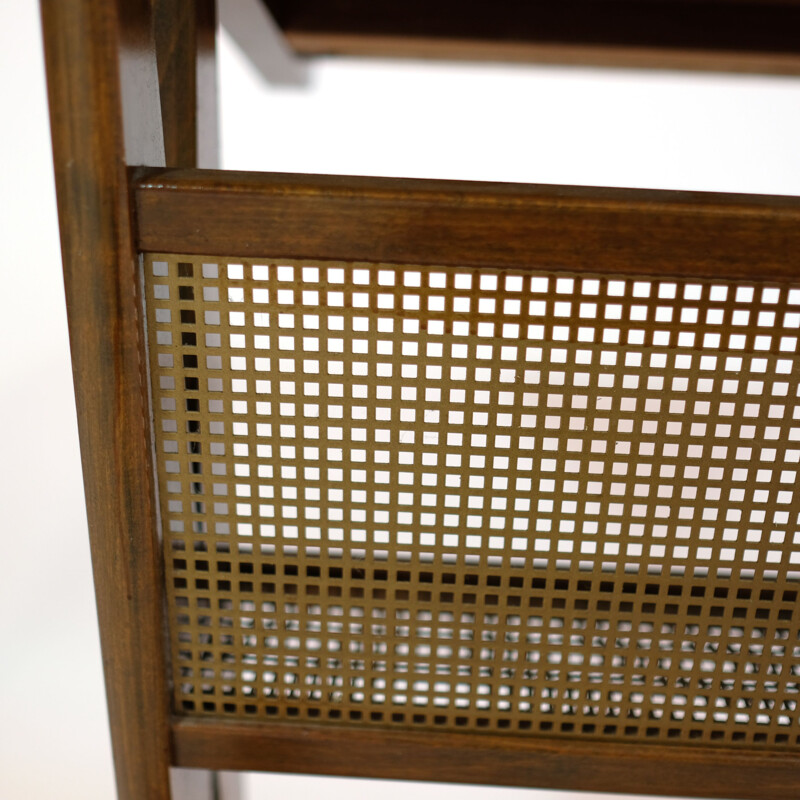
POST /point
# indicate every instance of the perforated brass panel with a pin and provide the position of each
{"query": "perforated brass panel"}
(471, 499)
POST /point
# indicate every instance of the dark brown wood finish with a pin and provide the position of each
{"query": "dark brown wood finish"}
(208, 156)
(185, 33)
(104, 109)
(747, 35)
(470, 224)
(487, 759)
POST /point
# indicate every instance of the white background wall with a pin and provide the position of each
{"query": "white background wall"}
(546, 125)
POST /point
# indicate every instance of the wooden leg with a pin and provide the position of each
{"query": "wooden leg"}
(104, 110)
(185, 35)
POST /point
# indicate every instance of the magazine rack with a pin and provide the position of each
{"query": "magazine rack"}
(467, 482)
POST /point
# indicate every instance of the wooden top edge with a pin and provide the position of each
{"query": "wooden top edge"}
(410, 190)
(469, 223)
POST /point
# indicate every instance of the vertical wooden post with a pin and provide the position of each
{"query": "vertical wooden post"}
(105, 116)
(185, 35)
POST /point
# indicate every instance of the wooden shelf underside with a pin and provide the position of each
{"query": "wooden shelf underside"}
(724, 35)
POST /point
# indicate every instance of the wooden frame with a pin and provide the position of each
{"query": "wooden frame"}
(185, 35)
(106, 110)
(486, 759)
(459, 222)
(106, 118)
(694, 235)
(733, 35)
(99, 62)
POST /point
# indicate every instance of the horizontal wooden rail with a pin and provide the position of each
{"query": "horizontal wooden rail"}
(486, 758)
(624, 231)
(728, 35)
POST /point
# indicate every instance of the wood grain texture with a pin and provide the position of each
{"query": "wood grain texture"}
(103, 96)
(471, 224)
(735, 35)
(185, 34)
(487, 759)
(131, 88)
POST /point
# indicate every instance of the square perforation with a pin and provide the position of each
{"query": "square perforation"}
(517, 501)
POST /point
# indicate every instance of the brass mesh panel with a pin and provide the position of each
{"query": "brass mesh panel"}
(472, 499)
